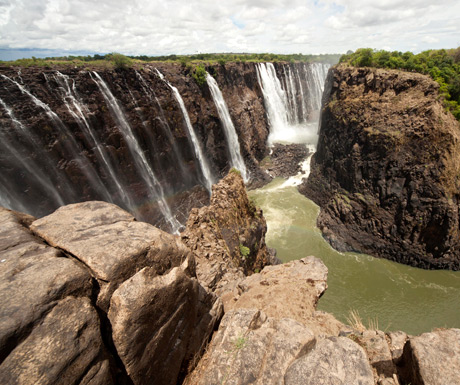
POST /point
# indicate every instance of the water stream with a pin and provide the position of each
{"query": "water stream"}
(399, 297)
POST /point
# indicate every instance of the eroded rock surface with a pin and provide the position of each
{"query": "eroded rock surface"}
(227, 237)
(290, 290)
(337, 360)
(110, 242)
(251, 347)
(385, 172)
(432, 358)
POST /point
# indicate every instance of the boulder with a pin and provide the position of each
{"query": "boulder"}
(336, 360)
(64, 347)
(33, 279)
(432, 358)
(110, 242)
(252, 348)
(158, 322)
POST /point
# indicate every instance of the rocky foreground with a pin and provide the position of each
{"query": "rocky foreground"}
(89, 295)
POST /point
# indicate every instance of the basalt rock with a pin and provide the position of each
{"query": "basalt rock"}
(284, 160)
(385, 173)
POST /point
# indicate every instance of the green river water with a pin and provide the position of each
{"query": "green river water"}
(397, 296)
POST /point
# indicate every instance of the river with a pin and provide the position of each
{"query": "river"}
(395, 296)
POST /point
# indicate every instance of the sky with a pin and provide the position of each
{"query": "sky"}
(151, 27)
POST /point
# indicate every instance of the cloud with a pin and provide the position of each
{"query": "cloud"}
(188, 26)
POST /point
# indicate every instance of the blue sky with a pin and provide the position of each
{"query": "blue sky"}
(61, 27)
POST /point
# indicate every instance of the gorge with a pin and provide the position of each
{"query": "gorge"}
(155, 143)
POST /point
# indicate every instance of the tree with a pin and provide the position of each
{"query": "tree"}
(120, 61)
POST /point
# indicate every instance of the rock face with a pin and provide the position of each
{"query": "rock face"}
(44, 105)
(385, 173)
(284, 160)
(227, 237)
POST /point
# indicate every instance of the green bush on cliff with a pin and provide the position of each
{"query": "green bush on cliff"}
(199, 75)
(442, 65)
(120, 61)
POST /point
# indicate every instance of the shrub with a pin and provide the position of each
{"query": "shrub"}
(244, 251)
(200, 75)
(120, 61)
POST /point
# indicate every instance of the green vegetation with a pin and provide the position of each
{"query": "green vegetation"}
(113, 60)
(235, 171)
(120, 61)
(442, 65)
(199, 74)
(244, 251)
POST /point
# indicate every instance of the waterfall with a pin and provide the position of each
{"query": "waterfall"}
(79, 112)
(196, 144)
(229, 129)
(290, 110)
(135, 149)
(148, 90)
(71, 147)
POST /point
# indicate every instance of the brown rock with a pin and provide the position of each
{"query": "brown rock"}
(227, 237)
(290, 290)
(337, 360)
(432, 358)
(33, 279)
(61, 349)
(251, 348)
(158, 322)
(110, 242)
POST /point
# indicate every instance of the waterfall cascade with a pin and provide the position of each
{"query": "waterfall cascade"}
(208, 178)
(155, 188)
(293, 102)
(126, 137)
(229, 129)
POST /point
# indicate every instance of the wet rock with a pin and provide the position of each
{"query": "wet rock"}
(337, 360)
(252, 348)
(110, 242)
(284, 160)
(432, 358)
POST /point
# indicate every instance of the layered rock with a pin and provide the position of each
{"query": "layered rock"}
(385, 173)
(227, 237)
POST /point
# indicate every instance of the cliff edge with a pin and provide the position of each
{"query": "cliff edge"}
(387, 167)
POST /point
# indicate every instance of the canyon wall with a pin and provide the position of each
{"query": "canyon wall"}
(148, 139)
(386, 170)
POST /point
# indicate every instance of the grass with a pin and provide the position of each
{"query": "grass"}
(356, 322)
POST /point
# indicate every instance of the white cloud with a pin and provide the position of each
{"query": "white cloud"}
(187, 26)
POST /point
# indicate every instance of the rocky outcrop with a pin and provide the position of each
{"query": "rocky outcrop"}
(284, 160)
(99, 302)
(385, 173)
(227, 237)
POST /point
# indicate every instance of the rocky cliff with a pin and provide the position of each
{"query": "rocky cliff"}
(386, 170)
(121, 136)
(92, 296)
